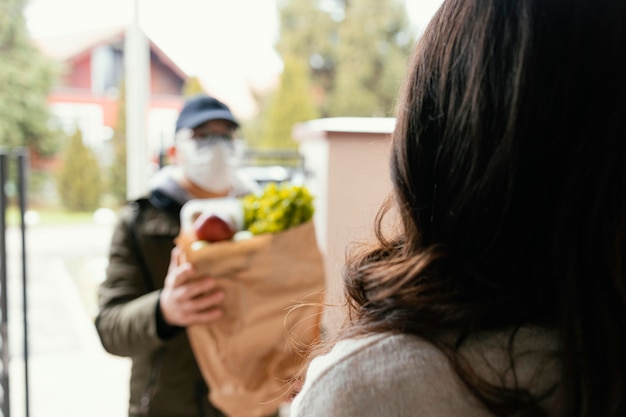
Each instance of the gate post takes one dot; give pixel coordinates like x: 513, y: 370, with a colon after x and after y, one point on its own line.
x: 4, y: 339
x: 20, y: 155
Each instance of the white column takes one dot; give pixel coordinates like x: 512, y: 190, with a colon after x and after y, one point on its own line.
x: 137, y: 69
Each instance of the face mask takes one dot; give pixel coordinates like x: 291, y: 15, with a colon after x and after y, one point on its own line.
x: 207, y: 162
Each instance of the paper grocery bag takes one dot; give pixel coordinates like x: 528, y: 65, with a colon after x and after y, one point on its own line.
x: 274, y: 289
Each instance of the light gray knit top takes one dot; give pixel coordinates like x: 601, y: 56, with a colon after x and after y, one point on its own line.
x: 405, y: 376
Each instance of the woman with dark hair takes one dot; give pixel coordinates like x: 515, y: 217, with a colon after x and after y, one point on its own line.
x: 501, y: 292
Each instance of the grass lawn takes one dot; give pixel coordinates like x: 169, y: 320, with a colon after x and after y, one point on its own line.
x: 51, y: 216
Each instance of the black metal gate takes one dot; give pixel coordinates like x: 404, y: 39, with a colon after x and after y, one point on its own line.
x: 16, y: 158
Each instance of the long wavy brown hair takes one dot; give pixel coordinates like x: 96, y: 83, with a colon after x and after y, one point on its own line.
x: 509, y: 172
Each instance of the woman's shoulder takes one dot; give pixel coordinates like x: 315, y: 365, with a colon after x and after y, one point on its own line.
x: 382, y: 357
x: 395, y: 348
x: 384, y: 374
x: 399, y: 374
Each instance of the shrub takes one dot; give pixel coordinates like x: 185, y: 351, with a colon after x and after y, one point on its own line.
x: 79, y: 180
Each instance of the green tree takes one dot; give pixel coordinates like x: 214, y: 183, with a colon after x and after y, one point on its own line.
x: 371, y: 58
x: 79, y: 180
x: 310, y: 33
x: 357, y: 52
x: 26, y: 77
x: 291, y: 103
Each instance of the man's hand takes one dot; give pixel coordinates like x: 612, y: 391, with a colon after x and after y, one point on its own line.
x: 185, y: 301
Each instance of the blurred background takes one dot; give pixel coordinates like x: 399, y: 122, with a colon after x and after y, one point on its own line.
x: 91, y: 89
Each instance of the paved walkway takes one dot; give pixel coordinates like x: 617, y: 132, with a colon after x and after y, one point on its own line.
x: 70, y: 375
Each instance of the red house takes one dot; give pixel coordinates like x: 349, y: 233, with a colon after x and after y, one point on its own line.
x: 86, y: 96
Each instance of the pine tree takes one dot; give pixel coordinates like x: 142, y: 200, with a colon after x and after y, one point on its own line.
x: 26, y: 77
x: 79, y: 180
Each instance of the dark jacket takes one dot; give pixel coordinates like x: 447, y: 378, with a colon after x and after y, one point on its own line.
x: 165, y: 379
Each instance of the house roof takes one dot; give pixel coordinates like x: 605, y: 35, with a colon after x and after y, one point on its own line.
x: 74, y: 46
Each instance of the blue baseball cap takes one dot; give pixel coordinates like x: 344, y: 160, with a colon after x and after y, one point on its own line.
x: 202, y: 108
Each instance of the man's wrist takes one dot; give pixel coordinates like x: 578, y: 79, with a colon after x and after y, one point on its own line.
x: 165, y: 331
